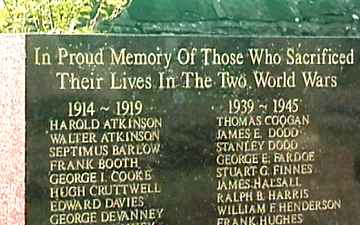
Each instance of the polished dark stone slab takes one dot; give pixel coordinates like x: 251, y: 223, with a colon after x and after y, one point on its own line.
x: 186, y: 166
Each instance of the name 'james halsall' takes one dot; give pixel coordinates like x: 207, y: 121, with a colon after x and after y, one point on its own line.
x: 116, y: 57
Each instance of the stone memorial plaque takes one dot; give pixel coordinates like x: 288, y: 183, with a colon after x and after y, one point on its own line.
x: 195, y: 130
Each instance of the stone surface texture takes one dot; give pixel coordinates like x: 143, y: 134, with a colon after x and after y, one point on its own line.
x: 239, y: 17
x: 220, y: 17
x: 12, y: 129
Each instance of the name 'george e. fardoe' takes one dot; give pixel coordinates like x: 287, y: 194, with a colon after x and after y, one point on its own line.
x: 115, y: 57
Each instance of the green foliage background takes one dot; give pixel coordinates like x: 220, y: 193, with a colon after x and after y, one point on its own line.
x: 235, y: 17
x: 56, y: 16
